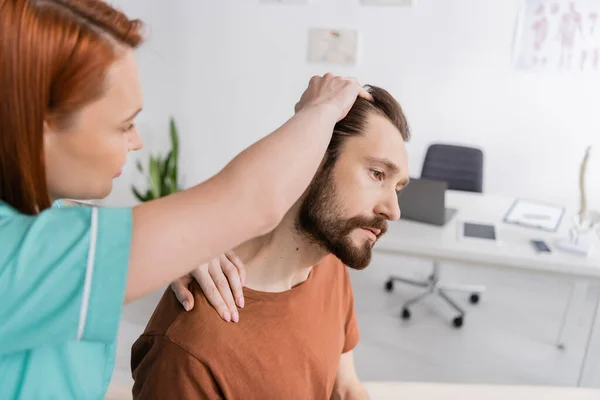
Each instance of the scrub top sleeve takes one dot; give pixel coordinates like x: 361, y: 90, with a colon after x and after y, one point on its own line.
x: 109, y: 276
x: 62, y: 275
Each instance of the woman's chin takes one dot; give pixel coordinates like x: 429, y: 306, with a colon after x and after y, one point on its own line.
x: 100, y: 193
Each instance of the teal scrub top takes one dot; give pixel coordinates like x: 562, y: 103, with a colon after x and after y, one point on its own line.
x: 62, y: 287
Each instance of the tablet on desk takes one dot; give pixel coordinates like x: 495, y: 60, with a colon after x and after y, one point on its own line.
x: 477, y: 231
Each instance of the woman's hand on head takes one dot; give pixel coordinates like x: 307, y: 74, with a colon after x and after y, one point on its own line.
x: 338, y: 92
x: 221, y: 280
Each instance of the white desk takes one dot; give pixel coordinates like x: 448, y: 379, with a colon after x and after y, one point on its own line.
x: 513, y: 251
x: 437, y: 391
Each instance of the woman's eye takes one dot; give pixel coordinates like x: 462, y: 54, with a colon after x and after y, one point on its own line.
x: 129, y: 128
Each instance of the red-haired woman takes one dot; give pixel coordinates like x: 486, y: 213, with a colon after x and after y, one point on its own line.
x: 69, y: 94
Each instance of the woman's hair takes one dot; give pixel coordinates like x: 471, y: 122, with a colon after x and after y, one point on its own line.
x: 54, y: 58
x: 355, y: 123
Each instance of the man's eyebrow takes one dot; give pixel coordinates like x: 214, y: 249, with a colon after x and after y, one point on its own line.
x: 133, y: 115
x: 386, y: 163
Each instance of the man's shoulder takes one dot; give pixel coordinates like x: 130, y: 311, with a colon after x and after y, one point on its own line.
x: 195, y: 331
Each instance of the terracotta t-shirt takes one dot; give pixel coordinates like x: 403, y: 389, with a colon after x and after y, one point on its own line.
x: 287, y: 345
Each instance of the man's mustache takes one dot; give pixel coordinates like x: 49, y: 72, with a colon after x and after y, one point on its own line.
x: 377, y: 222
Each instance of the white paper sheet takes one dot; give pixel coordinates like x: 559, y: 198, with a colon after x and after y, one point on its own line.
x: 535, y: 215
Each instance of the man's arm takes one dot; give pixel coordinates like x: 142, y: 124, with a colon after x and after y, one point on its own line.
x: 347, y: 385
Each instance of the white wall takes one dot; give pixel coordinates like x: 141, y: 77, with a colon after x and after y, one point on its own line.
x: 158, y: 60
x: 232, y: 70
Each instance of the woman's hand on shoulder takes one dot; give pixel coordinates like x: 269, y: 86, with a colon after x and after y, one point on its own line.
x: 221, y: 280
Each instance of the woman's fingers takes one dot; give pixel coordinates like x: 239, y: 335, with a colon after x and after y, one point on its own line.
x: 221, y: 280
x: 222, y: 284
x: 235, y: 281
x: 339, y: 92
x: 183, y: 294
x: 211, y: 292
x: 362, y: 92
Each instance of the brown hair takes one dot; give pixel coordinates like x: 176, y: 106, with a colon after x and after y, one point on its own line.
x: 54, y: 57
x: 354, y: 123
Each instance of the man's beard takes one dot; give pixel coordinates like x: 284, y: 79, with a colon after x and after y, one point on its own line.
x: 320, y: 221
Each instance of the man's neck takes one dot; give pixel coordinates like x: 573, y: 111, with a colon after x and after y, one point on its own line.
x: 281, y: 259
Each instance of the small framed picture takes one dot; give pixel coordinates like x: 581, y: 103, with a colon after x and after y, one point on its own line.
x: 333, y: 46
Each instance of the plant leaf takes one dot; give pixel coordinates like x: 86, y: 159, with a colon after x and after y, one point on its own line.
x: 174, y: 178
x: 174, y: 173
x: 164, y: 177
x: 172, y: 186
x: 174, y: 141
x: 155, y: 182
x: 138, y: 195
x: 162, y: 167
x: 138, y: 164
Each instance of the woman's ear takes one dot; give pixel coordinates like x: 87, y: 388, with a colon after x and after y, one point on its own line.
x: 48, y: 135
x: 47, y: 129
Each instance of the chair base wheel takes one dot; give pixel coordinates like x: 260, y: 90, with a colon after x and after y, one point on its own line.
x: 389, y: 286
x: 405, y: 313
x: 458, y: 322
x: 474, y: 299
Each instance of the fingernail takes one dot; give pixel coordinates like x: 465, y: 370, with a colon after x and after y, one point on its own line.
x: 227, y: 316
x: 186, y: 305
x: 241, y: 301
x: 236, y: 317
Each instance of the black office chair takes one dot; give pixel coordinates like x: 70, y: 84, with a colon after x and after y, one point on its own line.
x: 462, y: 169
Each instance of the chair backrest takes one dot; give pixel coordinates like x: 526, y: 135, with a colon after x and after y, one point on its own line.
x: 461, y: 167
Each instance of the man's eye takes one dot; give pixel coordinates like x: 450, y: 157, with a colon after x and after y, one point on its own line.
x: 377, y: 174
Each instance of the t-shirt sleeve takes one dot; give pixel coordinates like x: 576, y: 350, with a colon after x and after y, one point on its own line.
x: 62, y: 275
x: 351, y: 326
x: 163, y: 370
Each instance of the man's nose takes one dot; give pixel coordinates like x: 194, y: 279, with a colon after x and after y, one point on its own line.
x: 389, y: 207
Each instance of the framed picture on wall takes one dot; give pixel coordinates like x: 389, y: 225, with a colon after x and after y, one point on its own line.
x: 333, y: 46
x: 558, y: 36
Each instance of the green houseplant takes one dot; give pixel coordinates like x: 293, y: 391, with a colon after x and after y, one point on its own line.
x: 162, y: 175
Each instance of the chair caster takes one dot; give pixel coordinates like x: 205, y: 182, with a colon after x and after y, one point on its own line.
x: 405, y: 313
x: 389, y: 286
x: 474, y: 299
x: 458, y: 321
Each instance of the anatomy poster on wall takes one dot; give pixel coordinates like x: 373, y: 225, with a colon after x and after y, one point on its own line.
x: 558, y: 35
x: 333, y: 46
